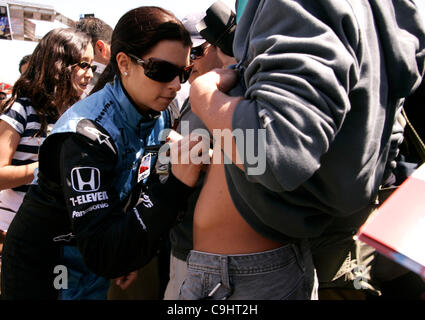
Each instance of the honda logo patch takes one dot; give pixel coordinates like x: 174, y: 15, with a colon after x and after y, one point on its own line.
x: 85, y: 179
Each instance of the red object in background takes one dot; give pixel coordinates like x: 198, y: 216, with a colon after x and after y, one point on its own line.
x: 5, y: 87
x: 397, y: 229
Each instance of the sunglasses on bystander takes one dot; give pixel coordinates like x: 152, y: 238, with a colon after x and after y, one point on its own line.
x: 85, y: 65
x: 198, y: 52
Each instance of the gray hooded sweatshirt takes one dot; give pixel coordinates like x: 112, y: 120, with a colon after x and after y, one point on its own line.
x: 325, y: 79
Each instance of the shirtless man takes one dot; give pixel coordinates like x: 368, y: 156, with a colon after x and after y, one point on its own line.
x: 218, y: 227
x: 241, y: 263
x: 220, y: 233
x: 308, y: 80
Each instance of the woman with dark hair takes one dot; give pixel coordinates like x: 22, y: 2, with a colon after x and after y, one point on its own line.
x: 98, y: 183
x: 57, y: 75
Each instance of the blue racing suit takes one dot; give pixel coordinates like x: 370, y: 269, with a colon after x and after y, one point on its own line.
x: 83, y: 284
x: 97, y: 187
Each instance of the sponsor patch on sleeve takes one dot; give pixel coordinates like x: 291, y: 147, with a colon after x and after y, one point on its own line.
x: 88, y: 129
x: 144, y: 168
x: 86, y: 181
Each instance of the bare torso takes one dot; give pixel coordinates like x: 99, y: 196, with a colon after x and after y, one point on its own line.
x: 217, y: 225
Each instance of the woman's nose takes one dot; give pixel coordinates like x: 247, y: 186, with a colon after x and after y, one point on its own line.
x: 175, y: 84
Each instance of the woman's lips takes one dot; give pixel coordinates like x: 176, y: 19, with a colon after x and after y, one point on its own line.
x: 168, y: 98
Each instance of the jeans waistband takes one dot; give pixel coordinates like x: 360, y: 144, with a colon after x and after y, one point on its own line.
x: 244, y: 263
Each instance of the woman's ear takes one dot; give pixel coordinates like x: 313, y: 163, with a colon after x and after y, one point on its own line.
x: 124, y: 63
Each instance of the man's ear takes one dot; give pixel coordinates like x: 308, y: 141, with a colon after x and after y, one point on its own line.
x: 100, y: 45
x: 102, y: 49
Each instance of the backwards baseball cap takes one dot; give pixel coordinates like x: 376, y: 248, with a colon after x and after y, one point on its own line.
x: 218, y: 26
x: 190, y: 21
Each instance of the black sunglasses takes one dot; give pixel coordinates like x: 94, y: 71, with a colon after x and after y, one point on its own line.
x: 161, y: 70
x: 85, y: 65
x: 198, y: 52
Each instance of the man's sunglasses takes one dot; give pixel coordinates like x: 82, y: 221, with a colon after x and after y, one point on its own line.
x: 85, y: 65
x: 198, y: 52
x: 161, y: 70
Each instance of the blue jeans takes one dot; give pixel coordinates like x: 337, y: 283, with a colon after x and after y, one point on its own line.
x: 283, y: 273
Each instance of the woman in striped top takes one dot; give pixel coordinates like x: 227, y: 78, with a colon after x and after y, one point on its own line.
x: 58, y: 73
